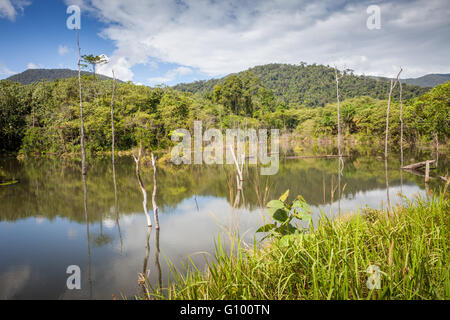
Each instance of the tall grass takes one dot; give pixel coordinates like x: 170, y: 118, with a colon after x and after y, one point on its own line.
x: 411, y: 249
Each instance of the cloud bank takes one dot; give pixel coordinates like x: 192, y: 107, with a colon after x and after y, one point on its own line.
x: 9, y: 8
x: 220, y: 37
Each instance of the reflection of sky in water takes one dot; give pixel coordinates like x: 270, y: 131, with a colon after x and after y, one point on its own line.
x: 43, y: 249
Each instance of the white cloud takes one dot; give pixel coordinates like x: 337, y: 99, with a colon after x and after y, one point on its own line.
x: 62, y: 50
x: 31, y: 65
x: 121, y: 66
x: 221, y: 37
x: 170, y: 75
x: 9, y: 8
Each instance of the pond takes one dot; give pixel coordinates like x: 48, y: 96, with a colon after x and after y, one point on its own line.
x: 44, y: 227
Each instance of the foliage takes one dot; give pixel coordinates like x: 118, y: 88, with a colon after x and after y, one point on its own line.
x: 283, y: 213
x: 430, y: 113
x: 14, y: 106
x: 43, y: 117
x: 333, y: 260
x: 309, y: 85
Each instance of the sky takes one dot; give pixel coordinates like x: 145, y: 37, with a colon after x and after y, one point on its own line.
x: 172, y: 41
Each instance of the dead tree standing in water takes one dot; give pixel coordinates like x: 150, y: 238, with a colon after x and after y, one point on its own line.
x: 393, y: 84
x: 155, y: 207
x: 83, y: 153
x: 340, y: 161
x: 141, y: 185
x: 116, y: 203
x: 338, y: 111
x: 239, y: 176
x: 401, y: 122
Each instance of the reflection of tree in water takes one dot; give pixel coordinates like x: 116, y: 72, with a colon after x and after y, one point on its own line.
x: 100, y: 240
x: 86, y: 217
x: 144, y: 277
x: 305, y: 177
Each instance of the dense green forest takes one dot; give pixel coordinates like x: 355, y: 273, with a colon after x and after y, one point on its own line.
x: 43, y: 117
x: 307, y: 85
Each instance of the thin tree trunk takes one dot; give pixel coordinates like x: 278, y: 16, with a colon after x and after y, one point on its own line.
x: 338, y: 111
x: 141, y: 185
x: 83, y: 153
x: 427, y: 171
x: 239, y: 177
x: 112, y: 117
x: 401, y: 123
x: 393, y: 84
x: 387, y: 187
x: 116, y: 203
x: 340, y: 160
x: 155, y: 207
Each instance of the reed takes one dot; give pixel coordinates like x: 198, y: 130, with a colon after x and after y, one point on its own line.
x: 331, y: 261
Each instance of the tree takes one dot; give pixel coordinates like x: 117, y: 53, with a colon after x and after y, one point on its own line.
x: 94, y: 61
x: 83, y: 152
x: 393, y: 83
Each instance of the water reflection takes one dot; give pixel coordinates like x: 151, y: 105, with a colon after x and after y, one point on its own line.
x: 47, y: 221
x: 86, y: 216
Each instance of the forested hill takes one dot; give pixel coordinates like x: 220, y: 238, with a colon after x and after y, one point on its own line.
x: 309, y: 85
x: 429, y: 80
x: 34, y: 75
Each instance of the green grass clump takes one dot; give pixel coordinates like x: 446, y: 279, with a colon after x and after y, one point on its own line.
x: 411, y: 249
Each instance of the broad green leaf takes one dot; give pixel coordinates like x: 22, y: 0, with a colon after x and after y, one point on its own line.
x: 280, y: 215
x: 284, y: 196
x: 303, y: 216
x: 275, y: 204
x: 286, y: 229
x: 266, y: 228
x: 297, y: 204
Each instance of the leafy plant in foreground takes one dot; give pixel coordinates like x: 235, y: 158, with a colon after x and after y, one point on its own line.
x: 283, y: 213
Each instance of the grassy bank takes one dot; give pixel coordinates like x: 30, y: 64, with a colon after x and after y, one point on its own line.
x: 411, y: 249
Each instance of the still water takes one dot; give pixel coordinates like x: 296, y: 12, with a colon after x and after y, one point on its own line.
x: 44, y: 227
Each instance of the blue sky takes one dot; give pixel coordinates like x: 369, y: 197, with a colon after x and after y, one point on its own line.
x: 171, y: 41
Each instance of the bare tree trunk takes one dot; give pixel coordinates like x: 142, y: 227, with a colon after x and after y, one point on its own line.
x: 338, y: 111
x: 116, y: 202
x: 239, y: 177
x: 401, y: 123
x: 83, y: 153
x: 393, y: 84
x: 112, y: 117
x: 437, y: 148
x: 387, y: 187
x: 155, y: 207
x: 340, y: 161
x: 141, y: 185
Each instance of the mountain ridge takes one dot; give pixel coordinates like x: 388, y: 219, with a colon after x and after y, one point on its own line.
x: 35, y: 75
